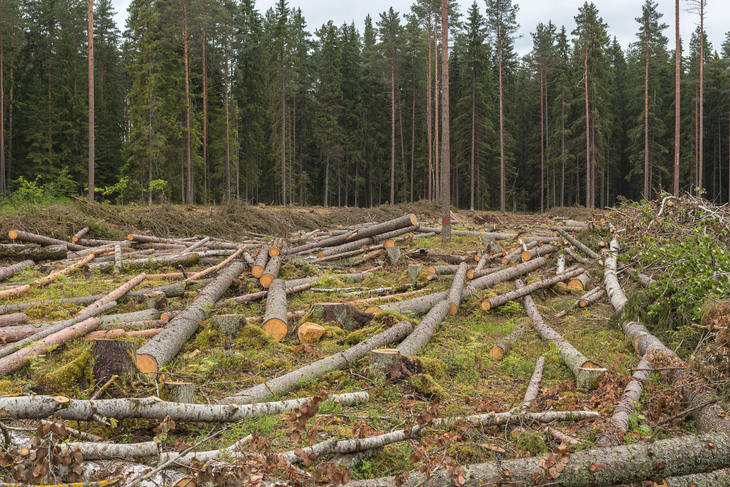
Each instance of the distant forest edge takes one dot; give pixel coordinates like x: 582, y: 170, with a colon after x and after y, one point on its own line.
x: 201, y: 100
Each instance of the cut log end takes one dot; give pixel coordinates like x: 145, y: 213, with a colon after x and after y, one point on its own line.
x: 486, y: 306
x: 496, y: 353
x: 185, y: 482
x: 266, y: 279
x: 74, y: 239
x: 13, y: 234
x: 525, y: 256
x: 453, y: 308
x: 276, y: 328
x: 273, y: 252
x: 590, y: 375
x: 257, y: 271
x: 575, y: 284
x: 61, y: 399
x: 389, y: 243
x: 414, y: 219
x: 470, y: 275
x: 130, y: 237
x: 431, y: 269
x: 374, y: 310
x: 583, y: 303
x: 319, y: 256
x: 381, y: 360
x: 504, y: 260
x: 147, y: 364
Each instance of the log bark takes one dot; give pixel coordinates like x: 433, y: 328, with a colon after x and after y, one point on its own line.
x: 210, y: 270
x: 597, y: 467
x: 271, y: 272
x: 142, y: 315
x: 381, y: 360
x: 17, y: 360
x: 457, y: 287
x: 40, y: 239
x: 260, y: 262
x: 110, y: 358
x: 492, y: 235
x: 476, y: 274
x: 160, y: 350
x: 148, y: 239
x: 580, y: 281
x: 180, y: 392
x: 591, y: 297
x: 506, y: 344
x: 19, y: 251
x: 533, y: 388
x: 389, y: 236
x: 348, y: 317
x: 293, y: 380
x: 577, y: 243
x: 200, y: 243
x: 423, y: 304
x: 76, y: 236
x: 275, y: 318
x: 233, y: 451
x: 11, y: 270
x: 587, y: 373
x: 610, y: 278
x: 408, y: 220
x: 516, y: 255
x: 345, y: 248
x: 327, y: 242
x: 525, y: 290
x: 147, y: 332
x: 13, y: 319
x: 40, y: 407
x: 257, y: 296
x: 185, y: 260
x: 107, y: 451
x: 115, y: 295
x: 573, y: 255
x: 421, y: 334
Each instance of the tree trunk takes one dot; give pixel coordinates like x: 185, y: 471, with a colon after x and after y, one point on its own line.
x: 588, y: 126
x: 276, y: 323
x: 91, y: 100
x: 271, y: 272
x: 499, y: 300
x: 542, y: 141
x: 188, y: 131
x: 677, y: 94
x: 502, y: 181
x: 160, y: 350
x: 701, y: 102
x: 436, y: 174
x: 413, y: 138
x: 392, y: 128
x: 206, y: 162
x: 503, y: 347
x: 647, y: 180
x: 247, y: 298
x: 445, y: 132
x: 110, y: 358
x: 3, y: 184
x: 429, y: 123
x: 283, y: 135
x: 421, y: 334
x: 41, y: 239
x: 11, y: 270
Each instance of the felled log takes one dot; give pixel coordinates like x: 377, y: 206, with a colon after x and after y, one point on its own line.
x: 503, y: 347
x: 76, y: 236
x: 257, y: 296
x: 132, y: 237
x: 580, y: 281
x: 11, y: 270
x: 95, y: 242
x: 644, y: 280
x: 105, y: 451
x: 423, y: 304
x: 408, y: 220
x: 260, y: 262
x: 113, y: 333
x: 718, y: 478
x: 588, y: 374
x: 117, y: 259
x: 110, y: 358
x: 573, y: 255
x: 142, y: 315
x: 40, y: 239
x: 476, y: 274
x: 275, y: 319
x: 160, y: 350
x: 533, y: 387
x: 13, y: 319
x: 421, y: 334
x: 345, y: 248
x: 19, y: 359
x: 210, y: 270
x: 589, y: 298
x: 19, y: 251
x: 538, y: 251
x: 457, y: 287
x: 443, y: 270
x: 116, y: 294
x: 577, y: 243
x: 597, y: 467
x: 271, y: 271
x: 387, y: 298
x: 344, y: 255
x: 525, y: 290
x: 516, y: 254
x: 174, y: 260
x: 293, y: 380
x: 196, y: 245
x: 45, y: 280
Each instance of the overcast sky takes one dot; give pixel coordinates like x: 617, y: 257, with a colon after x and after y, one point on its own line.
x: 618, y: 14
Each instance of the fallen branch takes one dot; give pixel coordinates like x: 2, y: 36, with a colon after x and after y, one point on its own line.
x: 577, y: 243
x: 533, y: 388
x: 217, y: 267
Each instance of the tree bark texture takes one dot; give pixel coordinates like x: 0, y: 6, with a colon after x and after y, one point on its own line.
x: 503, y: 347
x: 533, y: 387
x: 577, y: 243
x: 529, y: 289
x: 40, y: 239
x: 276, y: 323
x: 239, y: 253
x: 457, y: 287
x: 422, y: 333
x: 13, y: 319
x: 11, y: 270
x: 20, y: 251
x: 259, y: 263
x: 271, y: 272
x: 184, y: 260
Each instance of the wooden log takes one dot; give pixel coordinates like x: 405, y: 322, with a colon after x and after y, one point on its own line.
x: 538, y: 251
x: 561, y: 264
x: 503, y: 347
x: 533, y: 388
x: 580, y: 281
x: 588, y: 374
x: 476, y: 274
x: 160, y: 350
x: 309, y: 332
x: 327, y: 242
x: 610, y: 278
x: 457, y: 287
x: 17, y: 360
x: 40, y: 407
x: 592, y: 296
x: 113, y: 333
x: 132, y: 237
x: 210, y: 270
x: 116, y: 294
x: 257, y: 296
x: 185, y: 260
x: 40, y: 239
x: 516, y: 254
x: 200, y: 243
x: 386, y: 237
x: 525, y: 290
x: 573, y: 255
x: 577, y: 243
x: 13, y: 319
x: 408, y: 220
x: 260, y: 263
x: 106, y: 451
x: 345, y: 248
x: 271, y: 271
x: 182, y: 392
x: 293, y: 380
x: 644, y: 280
x: 597, y: 467
x: 110, y: 358
x: 718, y: 478
x: 381, y: 360
x: 344, y: 255
x: 76, y: 236
x: 95, y: 242
x: 142, y: 315
x: 11, y: 270
x: 27, y: 252
x: 275, y: 318
x: 422, y: 333
x: 118, y: 259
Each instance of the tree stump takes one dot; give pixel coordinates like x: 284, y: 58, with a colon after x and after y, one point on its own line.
x: 178, y: 392
x: 229, y: 325
x: 414, y: 270
x: 394, y: 254
x: 310, y: 332
x: 112, y: 357
x: 349, y: 317
x: 380, y: 360
x: 156, y: 300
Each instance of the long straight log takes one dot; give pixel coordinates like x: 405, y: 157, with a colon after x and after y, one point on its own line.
x: 529, y: 289
x: 293, y: 380
x: 275, y: 318
x: 515, y: 256
x: 196, y: 245
x: 210, y: 270
x: 160, y: 350
x: 327, y: 242
x: 597, y: 467
x: 493, y: 235
x: 271, y: 272
x: 588, y: 374
x: 13, y: 319
x: 40, y: 239
x: 76, y: 236
x: 408, y: 220
x: 346, y: 248
x: 533, y: 387
x: 577, y: 243
x: 142, y: 315
x: 11, y: 270
x: 116, y: 294
x: 257, y: 296
x: 457, y: 287
x: 148, y: 239
x: 19, y: 251
x: 384, y: 238
x: 484, y: 271
x: 421, y: 334
x: 174, y: 260
x: 108, y: 451
x: 503, y: 347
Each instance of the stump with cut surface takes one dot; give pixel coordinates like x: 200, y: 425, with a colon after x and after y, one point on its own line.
x: 381, y: 360
x: 349, y: 317
x: 276, y: 323
x: 112, y: 357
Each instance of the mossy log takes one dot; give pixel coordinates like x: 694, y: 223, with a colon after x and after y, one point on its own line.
x: 142, y: 315
x: 271, y: 272
x: 276, y: 323
x: 499, y: 300
x: 577, y: 243
x: 22, y: 236
x: 587, y: 373
x: 259, y: 264
x: 597, y: 467
x: 160, y: 350
x: 11, y: 270
x: 185, y: 260
x: 110, y: 334
x: 294, y: 379
x: 25, y: 252
x: 422, y: 333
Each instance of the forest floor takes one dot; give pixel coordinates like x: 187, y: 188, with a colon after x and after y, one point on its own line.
x: 457, y: 375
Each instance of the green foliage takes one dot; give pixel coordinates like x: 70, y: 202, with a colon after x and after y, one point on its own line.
x: 532, y: 442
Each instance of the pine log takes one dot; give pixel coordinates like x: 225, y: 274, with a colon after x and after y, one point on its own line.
x: 309, y: 332
x: 587, y: 299
x: 271, y: 272
x: 538, y: 251
x: 19, y: 251
x: 327, y: 242
x: 533, y: 388
x: 293, y: 380
x: 580, y: 281
x: 344, y: 255
x: 257, y: 296
x: 588, y: 374
x: 40, y: 239
x: 110, y: 358
x: 476, y: 274
x: 577, y: 243
x: 236, y: 450
x: 43, y: 330
x: 597, y: 467
x: 516, y: 255
x: 142, y: 315
x: 718, y: 478
x: 421, y: 334
x: 76, y: 236
x: 423, y: 304
x: 345, y: 248
x: 408, y: 220
x: 19, y: 359
x: 260, y: 263
x: 457, y: 287
x: 113, y: 333
x: 95, y: 242
x: 525, y: 290
x: 275, y: 318
x: 506, y: 344
x: 148, y: 239
x: 13, y: 319
x: 573, y: 256
x: 173, y: 260
x: 116, y: 294
x: 11, y: 270
x: 387, y: 237
x: 210, y: 270
x: 160, y: 350
x: 610, y: 278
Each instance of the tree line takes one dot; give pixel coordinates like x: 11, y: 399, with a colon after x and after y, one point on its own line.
x: 199, y: 101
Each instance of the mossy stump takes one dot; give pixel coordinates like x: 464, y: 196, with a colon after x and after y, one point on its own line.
x: 112, y: 357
